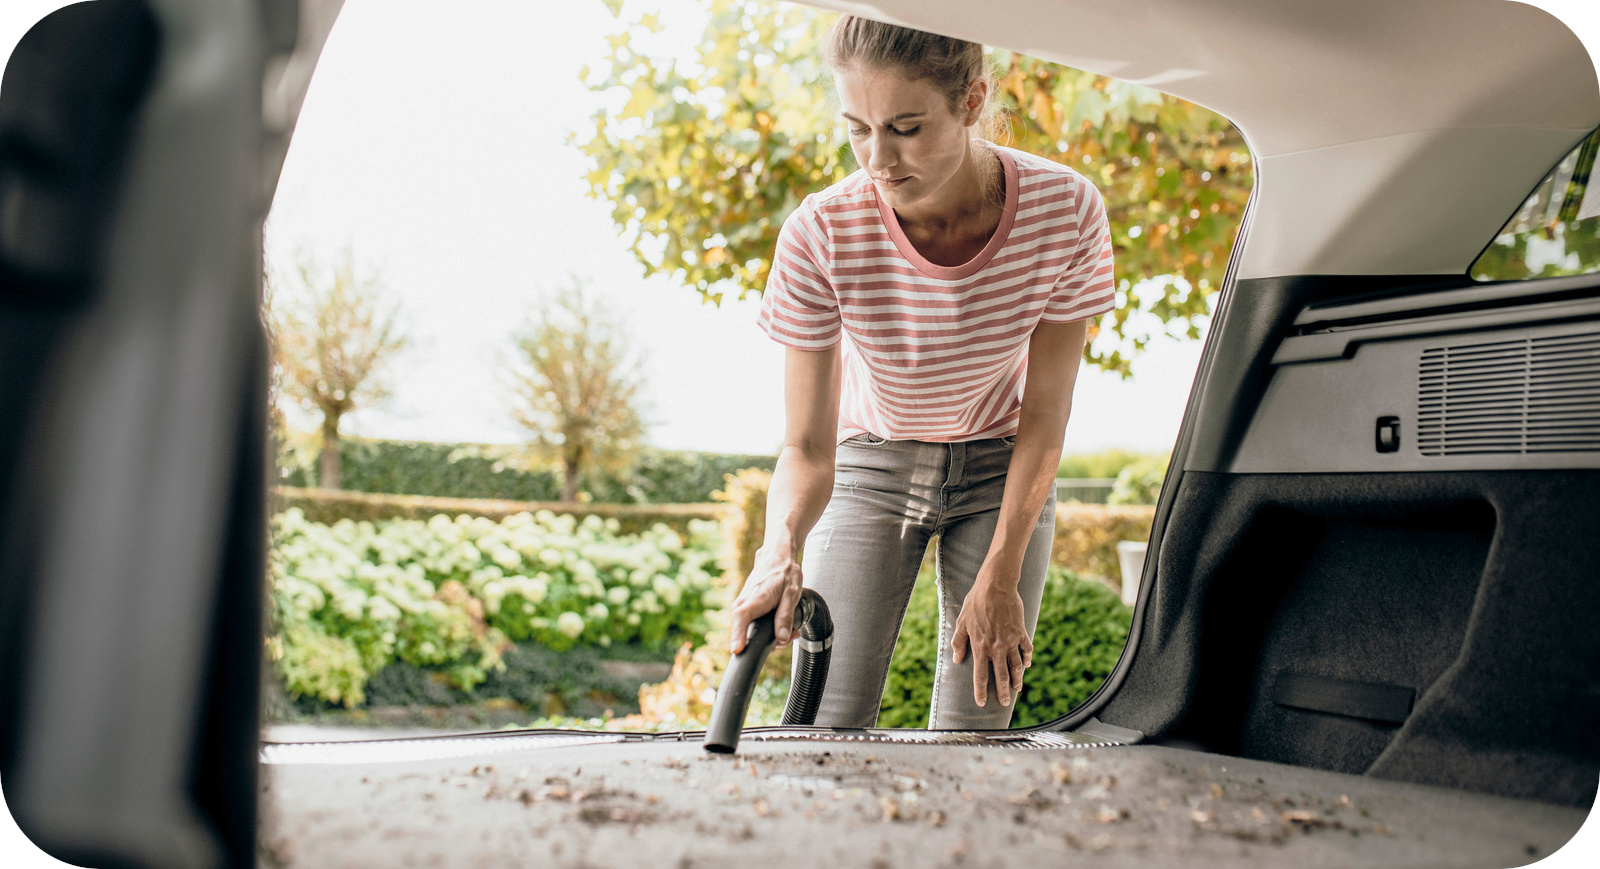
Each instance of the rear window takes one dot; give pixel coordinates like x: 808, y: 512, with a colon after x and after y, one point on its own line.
x: 1556, y: 232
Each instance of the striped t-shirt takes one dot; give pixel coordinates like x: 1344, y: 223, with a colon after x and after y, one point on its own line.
x: 937, y: 353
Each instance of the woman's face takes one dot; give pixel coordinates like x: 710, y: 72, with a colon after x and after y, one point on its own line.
x: 906, y: 137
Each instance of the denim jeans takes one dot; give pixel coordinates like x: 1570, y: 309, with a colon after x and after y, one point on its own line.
x: 890, y: 498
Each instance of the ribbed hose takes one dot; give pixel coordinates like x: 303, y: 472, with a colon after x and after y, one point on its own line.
x: 814, y: 630
x: 805, y: 689
x: 813, y: 649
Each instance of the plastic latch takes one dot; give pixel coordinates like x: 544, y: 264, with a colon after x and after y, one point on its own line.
x: 1387, y: 436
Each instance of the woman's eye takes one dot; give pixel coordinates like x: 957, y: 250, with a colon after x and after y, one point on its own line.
x: 862, y: 131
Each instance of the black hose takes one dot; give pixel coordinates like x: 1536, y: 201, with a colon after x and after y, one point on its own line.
x: 813, y: 649
x: 814, y: 641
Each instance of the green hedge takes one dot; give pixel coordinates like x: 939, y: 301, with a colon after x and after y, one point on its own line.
x: 1140, y: 482
x: 1106, y: 463
x: 420, y: 468
x: 491, y: 471
x: 1082, y: 629
x: 670, y: 477
x: 329, y: 506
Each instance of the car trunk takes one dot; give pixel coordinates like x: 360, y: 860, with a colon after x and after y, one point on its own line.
x: 865, y: 803
x: 1422, y: 613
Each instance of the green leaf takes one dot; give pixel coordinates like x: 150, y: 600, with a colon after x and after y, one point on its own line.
x: 641, y: 99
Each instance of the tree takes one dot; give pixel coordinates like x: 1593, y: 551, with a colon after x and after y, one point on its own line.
x: 334, y: 337
x: 707, y: 157
x: 576, y: 388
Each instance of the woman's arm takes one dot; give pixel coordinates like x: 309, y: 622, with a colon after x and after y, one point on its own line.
x: 801, y: 485
x: 991, y: 623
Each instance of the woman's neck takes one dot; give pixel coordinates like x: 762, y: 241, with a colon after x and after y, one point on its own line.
x: 952, y: 231
x: 974, y: 197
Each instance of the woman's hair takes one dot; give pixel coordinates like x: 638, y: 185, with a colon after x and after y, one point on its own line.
x: 951, y: 65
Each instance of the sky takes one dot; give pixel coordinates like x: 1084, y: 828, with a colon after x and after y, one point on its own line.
x: 437, y: 147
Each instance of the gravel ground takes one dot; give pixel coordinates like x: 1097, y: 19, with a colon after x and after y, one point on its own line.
x: 880, y: 805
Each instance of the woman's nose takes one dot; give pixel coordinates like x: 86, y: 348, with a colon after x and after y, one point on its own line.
x: 881, y: 154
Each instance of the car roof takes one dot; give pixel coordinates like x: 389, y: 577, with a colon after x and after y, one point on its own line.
x: 1390, y: 136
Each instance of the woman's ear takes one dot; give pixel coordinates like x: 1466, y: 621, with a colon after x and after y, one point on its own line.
x: 977, y: 98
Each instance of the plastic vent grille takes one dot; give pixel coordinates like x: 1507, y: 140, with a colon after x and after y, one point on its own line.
x: 1530, y: 395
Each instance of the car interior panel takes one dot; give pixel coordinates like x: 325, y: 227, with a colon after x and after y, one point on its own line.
x: 67, y: 102
x: 128, y: 283
x: 1440, y: 565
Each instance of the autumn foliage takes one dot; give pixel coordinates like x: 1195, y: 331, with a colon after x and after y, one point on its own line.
x: 708, y: 154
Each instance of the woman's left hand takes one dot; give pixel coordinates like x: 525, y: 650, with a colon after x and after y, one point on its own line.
x: 991, y: 626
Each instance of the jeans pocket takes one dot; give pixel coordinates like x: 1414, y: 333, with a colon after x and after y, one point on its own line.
x: 866, y: 439
x: 1008, y: 442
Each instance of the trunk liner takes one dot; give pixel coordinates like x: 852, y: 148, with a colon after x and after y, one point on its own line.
x: 880, y: 803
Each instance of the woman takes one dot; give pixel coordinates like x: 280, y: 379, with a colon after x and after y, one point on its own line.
x: 934, y: 306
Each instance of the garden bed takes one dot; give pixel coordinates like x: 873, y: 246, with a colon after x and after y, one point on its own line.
x: 425, y: 613
x: 541, y: 619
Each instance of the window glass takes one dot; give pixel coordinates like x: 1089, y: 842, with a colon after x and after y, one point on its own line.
x: 1556, y: 232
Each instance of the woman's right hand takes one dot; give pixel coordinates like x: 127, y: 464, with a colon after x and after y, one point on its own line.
x: 802, y: 482
x: 772, y: 587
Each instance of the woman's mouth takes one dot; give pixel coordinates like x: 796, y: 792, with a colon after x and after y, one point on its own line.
x: 891, y: 183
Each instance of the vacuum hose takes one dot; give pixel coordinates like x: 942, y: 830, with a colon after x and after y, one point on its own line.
x: 813, y: 630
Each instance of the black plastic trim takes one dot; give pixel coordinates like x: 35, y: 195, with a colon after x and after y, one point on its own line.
x: 1456, y: 297
x: 1342, y: 342
x: 1389, y: 704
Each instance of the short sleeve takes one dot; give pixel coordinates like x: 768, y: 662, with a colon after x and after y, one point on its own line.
x: 799, y: 308
x: 1086, y: 287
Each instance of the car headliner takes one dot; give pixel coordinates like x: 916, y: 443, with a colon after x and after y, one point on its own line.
x: 1390, y: 136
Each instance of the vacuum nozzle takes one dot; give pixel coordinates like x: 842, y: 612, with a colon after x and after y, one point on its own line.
x: 813, y: 629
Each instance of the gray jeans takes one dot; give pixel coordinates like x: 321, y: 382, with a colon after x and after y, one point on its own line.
x: 890, y: 498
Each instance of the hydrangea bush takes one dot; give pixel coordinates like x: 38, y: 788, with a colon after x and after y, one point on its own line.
x: 453, y: 593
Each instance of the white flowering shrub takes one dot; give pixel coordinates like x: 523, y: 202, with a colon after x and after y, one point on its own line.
x: 561, y: 582
x: 350, y: 598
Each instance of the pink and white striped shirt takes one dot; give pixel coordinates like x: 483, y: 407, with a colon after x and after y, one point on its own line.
x: 937, y: 353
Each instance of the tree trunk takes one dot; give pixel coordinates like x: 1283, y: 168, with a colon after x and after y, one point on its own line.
x: 329, y: 463
x: 569, y: 482
x: 571, y: 466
